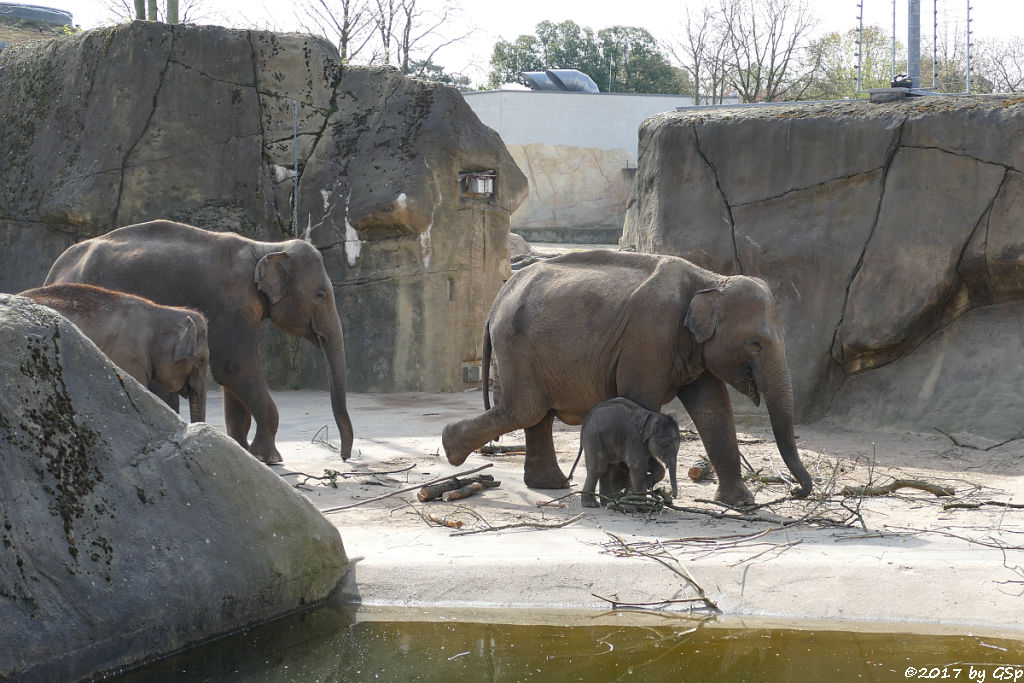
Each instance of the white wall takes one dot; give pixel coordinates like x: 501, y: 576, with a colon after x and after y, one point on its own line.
x: 599, y: 120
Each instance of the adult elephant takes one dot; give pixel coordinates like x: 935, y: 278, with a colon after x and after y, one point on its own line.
x: 572, y: 331
x: 237, y: 283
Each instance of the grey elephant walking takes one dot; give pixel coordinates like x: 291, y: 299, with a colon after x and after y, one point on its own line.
x: 161, y: 345
x: 237, y: 283
x: 619, y: 431
x: 572, y: 331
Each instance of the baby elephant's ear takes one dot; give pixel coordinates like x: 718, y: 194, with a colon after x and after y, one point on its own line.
x: 702, y: 315
x: 188, y: 340
x: 646, y: 423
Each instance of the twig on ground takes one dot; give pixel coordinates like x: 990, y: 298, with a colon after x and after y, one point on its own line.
x: 977, y: 506
x: 405, y: 490
x: 936, y: 489
x: 681, y: 571
x: 523, y: 525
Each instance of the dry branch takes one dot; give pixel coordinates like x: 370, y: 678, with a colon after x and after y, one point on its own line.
x: 977, y: 506
x: 937, y: 489
x: 523, y: 525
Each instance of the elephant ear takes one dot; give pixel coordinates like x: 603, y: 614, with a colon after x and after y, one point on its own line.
x: 702, y: 316
x: 187, y: 344
x: 645, y: 422
x: 271, y: 275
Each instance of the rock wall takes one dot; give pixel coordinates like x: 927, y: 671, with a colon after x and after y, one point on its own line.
x: 126, y: 533
x: 572, y: 187
x: 202, y: 125
x: 891, y: 235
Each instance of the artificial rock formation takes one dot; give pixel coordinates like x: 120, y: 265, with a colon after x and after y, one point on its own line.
x: 890, y: 235
x: 205, y: 125
x: 572, y: 187
x: 127, y: 533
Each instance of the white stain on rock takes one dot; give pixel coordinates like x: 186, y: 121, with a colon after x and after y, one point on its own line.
x: 353, y: 245
x: 426, y: 246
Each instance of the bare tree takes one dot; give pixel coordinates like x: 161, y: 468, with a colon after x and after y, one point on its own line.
x: 421, y: 32
x: 143, y: 10
x: 1001, y: 61
x: 700, y: 53
x: 767, y: 41
x: 347, y: 23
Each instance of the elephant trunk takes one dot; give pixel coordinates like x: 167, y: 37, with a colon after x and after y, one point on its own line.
x: 773, y: 380
x: 332, y: 343
x: 672, y: 475
x: 195, y: 392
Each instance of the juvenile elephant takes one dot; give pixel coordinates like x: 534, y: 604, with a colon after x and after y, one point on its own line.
x: 575, y: 330
x: 162, y: 345
x: 620, y: 431
x: 237, y: 283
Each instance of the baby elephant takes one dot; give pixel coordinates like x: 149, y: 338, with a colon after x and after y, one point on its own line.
x: 620, y: 431
x: 155, y: 344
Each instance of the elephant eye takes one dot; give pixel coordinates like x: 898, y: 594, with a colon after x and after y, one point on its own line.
x: 320, y: 295
x: 754, y: 345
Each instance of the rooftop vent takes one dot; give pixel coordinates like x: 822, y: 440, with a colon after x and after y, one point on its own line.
x: 561, y: 80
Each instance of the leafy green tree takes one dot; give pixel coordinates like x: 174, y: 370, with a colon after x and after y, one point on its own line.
x: 429, y: 71
x: 836, y: 55
x: 619, y: 58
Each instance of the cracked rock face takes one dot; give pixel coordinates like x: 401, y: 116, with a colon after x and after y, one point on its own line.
x: 127, y: 533
x: 206, y: 126
x: 890, y: 235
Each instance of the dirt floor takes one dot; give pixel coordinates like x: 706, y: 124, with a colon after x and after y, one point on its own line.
x: 910, y: 556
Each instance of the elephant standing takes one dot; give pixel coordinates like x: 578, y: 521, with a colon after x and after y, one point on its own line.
x: 161, y: 345
x: 237, y: 283
x: 620, y: 431
x: 572, y: 331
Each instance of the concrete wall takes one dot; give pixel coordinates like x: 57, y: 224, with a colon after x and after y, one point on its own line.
x: 578, y: 151
x: 570, y: 119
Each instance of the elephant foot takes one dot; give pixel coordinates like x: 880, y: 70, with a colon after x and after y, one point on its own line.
x: 590, y: 501
x: 456, y: 454
x: 736, y: 494
x: 548, y: 479
x: 268, y: 456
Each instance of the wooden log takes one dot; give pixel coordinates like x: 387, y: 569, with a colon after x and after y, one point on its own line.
x: 699, y: 470
x: 492, y: 449
x: 434, y: 491
x: 464, y: 492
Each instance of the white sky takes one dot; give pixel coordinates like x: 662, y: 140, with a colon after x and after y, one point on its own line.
x: 491, y: 20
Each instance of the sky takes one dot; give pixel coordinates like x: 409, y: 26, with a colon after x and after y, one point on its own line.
x: 489, y: 21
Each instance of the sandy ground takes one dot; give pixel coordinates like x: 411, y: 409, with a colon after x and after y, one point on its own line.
x: 903, y: 558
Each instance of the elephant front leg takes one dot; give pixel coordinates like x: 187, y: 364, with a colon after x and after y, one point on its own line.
x: 707, y: 402
x: 251, y: 397
x: 541, y: 470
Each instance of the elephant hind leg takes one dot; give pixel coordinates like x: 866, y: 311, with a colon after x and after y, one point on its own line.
x: 465, y: 436
x: 542, y: 471
x: 237, y: 418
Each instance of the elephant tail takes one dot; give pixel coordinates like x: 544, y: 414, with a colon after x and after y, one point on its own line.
x: 485, y: 370
x: 578, y: 454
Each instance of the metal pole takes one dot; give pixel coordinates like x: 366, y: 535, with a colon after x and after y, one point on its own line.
x: 860, y: 42
x: 892, y: 63
x: 295, y: 171
x: 935, y: 45
x: 914, y: 42
x: 969, y: 32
